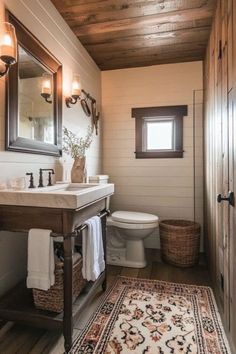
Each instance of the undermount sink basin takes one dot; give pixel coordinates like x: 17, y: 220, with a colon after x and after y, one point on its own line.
x: 64, y: 187
x: 72, y: 188
x: 61, y: 195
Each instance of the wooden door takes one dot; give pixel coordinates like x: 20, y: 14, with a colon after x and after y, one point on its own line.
x: 222, y: 163
x: 220, y: 160
x: 232, y: 167
x: 232, y: 220
x: 220, y: 142
x: 225, y: 156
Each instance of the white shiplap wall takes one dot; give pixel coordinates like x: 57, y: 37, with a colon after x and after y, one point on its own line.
x: 43, y: 20
x: 160, y: 186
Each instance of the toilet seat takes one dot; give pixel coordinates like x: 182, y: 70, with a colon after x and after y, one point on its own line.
x: 132, y: 220
x: 125, y: 225
x: 132, y: 217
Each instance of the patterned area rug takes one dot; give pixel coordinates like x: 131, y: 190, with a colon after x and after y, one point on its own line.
x: 141, y: 316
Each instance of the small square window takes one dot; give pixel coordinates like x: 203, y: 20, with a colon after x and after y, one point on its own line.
x: 159, y: 131
x: 158, y: 135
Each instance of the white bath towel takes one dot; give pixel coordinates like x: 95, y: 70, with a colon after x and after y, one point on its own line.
x: 41, y: 264
x: 92, y: 249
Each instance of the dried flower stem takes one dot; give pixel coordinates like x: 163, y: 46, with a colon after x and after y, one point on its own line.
x: 74, y: 145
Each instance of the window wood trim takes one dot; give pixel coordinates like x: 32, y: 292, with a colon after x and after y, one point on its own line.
x: 177, y: 112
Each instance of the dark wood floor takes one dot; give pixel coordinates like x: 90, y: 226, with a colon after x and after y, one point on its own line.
x: 27, y: 340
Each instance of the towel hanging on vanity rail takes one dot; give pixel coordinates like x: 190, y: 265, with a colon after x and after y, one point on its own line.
x: 92, y: 249
x: 41, y: 264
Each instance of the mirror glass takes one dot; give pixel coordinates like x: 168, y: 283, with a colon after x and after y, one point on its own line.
x: 34, y: 97
x: 35, y: 115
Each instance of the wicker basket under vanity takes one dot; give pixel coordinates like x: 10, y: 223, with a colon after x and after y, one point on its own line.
x: 52, y: 299
x: 180, y: 242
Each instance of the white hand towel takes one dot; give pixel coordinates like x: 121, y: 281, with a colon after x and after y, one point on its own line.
x: 92, y: 249
x: 41, y: 264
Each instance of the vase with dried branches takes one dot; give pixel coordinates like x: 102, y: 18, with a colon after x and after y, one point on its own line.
x: 76, y: 147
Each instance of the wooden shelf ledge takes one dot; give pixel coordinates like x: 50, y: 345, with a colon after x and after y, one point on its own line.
x: 18, y: 306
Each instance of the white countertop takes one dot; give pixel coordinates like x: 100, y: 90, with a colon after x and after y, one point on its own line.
x: 61, y: 195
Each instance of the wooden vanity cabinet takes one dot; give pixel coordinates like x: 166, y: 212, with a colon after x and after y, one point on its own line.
x: 17, y: 305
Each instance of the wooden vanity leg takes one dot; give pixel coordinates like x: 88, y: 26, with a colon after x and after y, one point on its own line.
x: 104, y: 234
x: 68, y: 319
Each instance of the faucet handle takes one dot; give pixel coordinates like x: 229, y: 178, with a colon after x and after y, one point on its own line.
x: 50, y: 173
x: 40, y: 178
x: 31, y: 185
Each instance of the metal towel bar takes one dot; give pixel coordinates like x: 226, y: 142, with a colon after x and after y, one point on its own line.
x: 80, y: 228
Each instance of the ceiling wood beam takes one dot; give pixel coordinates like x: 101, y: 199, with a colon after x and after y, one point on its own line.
x: 146, y: 30
x: 134, y: 23
x: 186, y: 57
x: 154, y: 52
x: 182, y: 36
x: 61, y: 4
x: 112, y: 10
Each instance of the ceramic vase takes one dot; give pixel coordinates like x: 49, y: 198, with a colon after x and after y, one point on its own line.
x: 78, y: 171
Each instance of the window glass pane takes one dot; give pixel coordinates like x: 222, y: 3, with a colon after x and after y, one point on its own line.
x: 159, y: 135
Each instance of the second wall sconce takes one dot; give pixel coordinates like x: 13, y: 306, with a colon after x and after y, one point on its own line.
x: 8, y: 46
x: 79, y: 94
x: 46, y: 92
x: 75, y: 92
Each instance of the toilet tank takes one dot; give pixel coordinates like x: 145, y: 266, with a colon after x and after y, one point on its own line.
x: 101, y: 179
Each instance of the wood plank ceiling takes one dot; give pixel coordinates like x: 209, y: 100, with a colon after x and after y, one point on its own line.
x: 131, y: 33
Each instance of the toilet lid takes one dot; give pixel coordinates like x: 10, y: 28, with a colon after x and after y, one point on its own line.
x: 134, y: 217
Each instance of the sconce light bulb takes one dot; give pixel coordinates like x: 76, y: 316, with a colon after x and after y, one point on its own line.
x: 7, y: 40
x: 47, y: 84
x: 76, y: 88
x: 75, y: 85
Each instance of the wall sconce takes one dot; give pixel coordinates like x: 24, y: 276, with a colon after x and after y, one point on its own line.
x: 8, y: 46
x: 46, y: 92
x: 84, y: 97
x: 75, y: 92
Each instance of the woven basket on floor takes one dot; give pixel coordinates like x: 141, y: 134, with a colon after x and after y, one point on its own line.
x: 180, y: 242
x: 52, y: 299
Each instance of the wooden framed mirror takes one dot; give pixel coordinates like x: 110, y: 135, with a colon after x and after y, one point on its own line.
x: 33, y: 123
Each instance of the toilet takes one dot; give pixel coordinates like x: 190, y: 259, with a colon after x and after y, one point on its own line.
x: 126, y: 231
x: 125, y: 240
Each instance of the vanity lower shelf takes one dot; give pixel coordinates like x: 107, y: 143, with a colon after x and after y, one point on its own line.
x: 17, y: 306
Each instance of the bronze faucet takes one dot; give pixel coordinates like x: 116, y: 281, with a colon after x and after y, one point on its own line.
x: 50, y: 173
